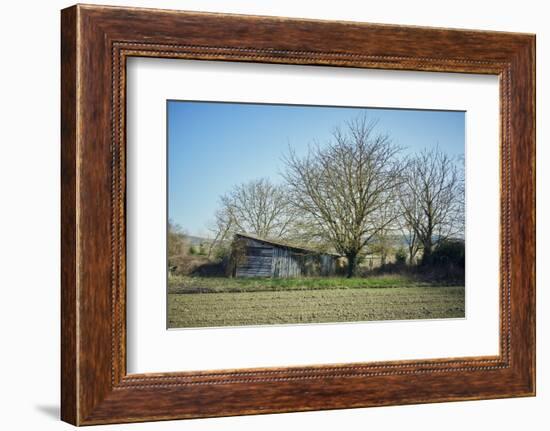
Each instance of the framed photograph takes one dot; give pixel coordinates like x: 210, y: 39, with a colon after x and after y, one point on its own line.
x: 264, y: 214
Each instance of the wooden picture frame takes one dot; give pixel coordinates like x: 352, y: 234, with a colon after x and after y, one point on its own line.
x: 95, y: 43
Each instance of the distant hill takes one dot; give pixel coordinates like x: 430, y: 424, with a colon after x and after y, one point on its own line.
x: 197, y: 240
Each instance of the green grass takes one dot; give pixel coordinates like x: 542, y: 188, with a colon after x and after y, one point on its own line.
x: 242, y: 302
x: 183, y: 284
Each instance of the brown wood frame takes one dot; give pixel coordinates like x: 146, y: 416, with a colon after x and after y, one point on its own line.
x: 95, y: 43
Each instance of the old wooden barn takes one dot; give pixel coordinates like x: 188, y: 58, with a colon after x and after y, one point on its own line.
x: 252, y: 256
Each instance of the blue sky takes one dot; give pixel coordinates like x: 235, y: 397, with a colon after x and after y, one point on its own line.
x: 213, y: 146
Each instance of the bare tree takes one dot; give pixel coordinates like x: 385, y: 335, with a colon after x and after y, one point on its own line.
x: 345, y: 190
x: 410, y: 214
x: 258, y: 207
x: 432, y: 199
x: 411, y: 239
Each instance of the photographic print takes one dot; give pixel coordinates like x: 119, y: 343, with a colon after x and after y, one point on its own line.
x: 294, y: 214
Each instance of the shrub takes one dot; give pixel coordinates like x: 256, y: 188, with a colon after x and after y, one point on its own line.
x: 400, y: 256
x: 449, y: 253
x: 222, y: 252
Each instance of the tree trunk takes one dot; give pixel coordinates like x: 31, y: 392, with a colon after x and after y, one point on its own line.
x: 352, y: 264
x: 427, y: 254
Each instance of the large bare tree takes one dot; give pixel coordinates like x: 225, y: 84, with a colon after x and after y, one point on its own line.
x: 258, y: 207
x: 345, y: 190
x: 432, y: 199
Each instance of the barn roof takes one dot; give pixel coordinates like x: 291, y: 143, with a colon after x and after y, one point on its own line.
x: 283, y: 244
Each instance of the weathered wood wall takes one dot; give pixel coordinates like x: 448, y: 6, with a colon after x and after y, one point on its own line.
x: 285, y: 264
x: 328, y: 264
x: 262, y: 259
x: 257, y: 262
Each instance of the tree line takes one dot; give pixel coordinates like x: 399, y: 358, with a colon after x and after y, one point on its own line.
x: 350, y: 194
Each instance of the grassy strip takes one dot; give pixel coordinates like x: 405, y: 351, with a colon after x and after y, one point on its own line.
x: 183, y: 284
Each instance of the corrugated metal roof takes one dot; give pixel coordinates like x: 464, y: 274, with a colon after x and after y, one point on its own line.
x: 283, y: 244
